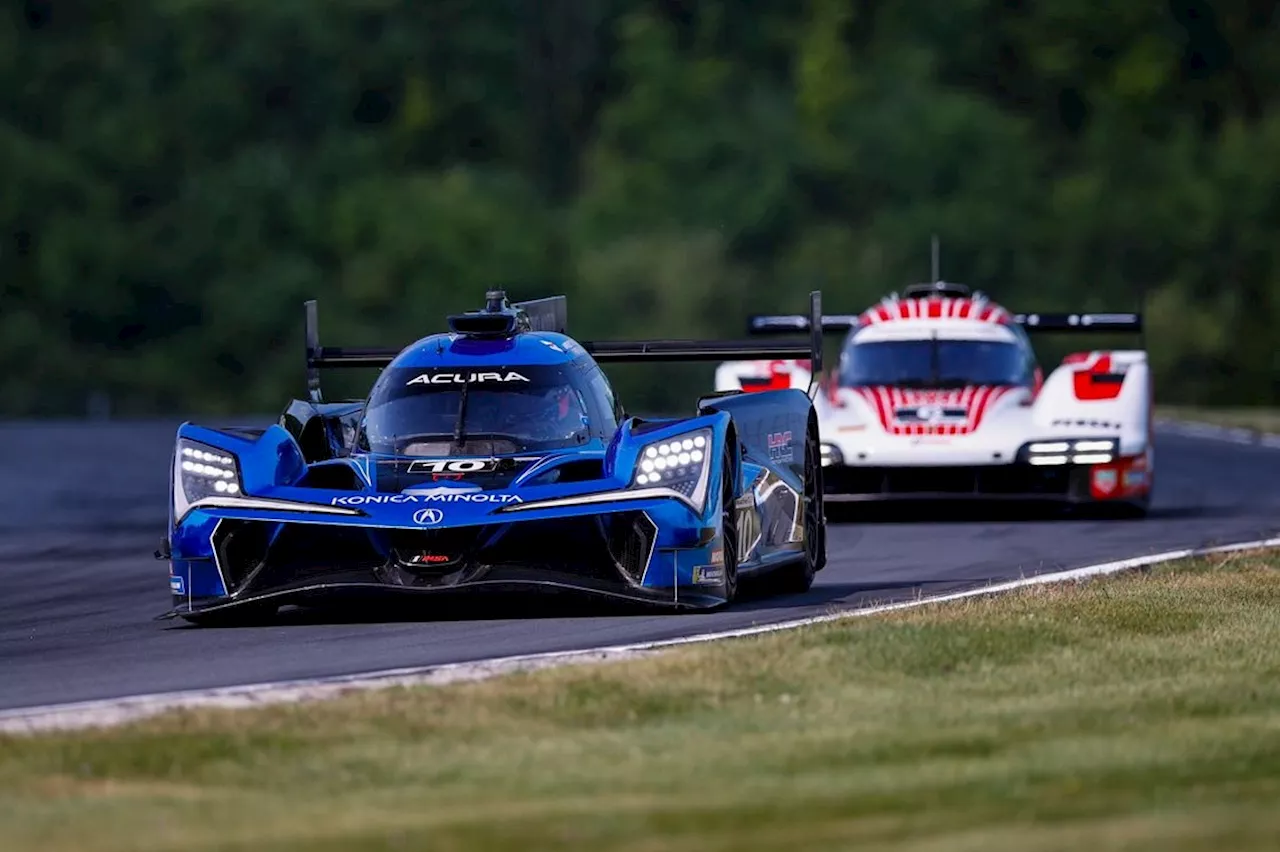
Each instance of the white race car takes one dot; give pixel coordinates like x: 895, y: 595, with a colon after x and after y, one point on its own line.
x: 938, y: 395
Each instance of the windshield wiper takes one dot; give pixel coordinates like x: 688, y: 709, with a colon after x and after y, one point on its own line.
x: 459, y: 433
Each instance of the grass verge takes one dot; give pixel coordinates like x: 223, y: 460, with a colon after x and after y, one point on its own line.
x: 1258, y: 419
x: 1131, y: 712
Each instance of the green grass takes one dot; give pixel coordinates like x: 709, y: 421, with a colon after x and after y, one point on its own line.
x: 1134, y: 712
x: 1259, y: 419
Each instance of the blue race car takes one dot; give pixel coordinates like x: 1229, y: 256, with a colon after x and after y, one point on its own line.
x: 496, y: 456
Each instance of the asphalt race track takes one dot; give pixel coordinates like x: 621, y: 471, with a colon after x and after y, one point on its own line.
x: 84, y: 507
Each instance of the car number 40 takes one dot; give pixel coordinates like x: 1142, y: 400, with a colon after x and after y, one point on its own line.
x: 452, y: 466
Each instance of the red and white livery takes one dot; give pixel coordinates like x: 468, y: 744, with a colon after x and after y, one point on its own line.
x: 938, y: 395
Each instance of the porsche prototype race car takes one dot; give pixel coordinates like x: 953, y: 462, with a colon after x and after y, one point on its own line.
x: 495, y: 456
x: 938, y: 395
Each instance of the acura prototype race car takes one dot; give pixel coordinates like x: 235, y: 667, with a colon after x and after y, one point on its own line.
x: 938, y: 395
x: 496, y: 456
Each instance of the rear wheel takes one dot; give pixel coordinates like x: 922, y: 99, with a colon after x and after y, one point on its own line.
x: 799, y: 575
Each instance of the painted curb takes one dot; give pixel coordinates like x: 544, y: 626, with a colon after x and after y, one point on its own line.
x: 118, y: 711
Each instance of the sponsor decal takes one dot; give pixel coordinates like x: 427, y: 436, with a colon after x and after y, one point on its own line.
x: 551, y: 345
x: 430, y: 559
x: 427, y: 495
x: 428, y: 517
x: 453, y: 467
x: 1104, y: 481
x: 177, y: 586
x: 1135, y: 479
x: 780, y: 446
x: 372, y: 499
x: 472, y: 497
x: 465, y: 494
x: 717, y: 556
x: 708, y: 575
x: 463, y: 378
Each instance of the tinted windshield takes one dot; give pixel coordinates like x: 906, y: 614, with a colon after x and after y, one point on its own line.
x: 934, y: 363
x: 415, y: 411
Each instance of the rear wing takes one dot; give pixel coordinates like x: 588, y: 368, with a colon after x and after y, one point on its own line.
x: 1122, y: 323
x: 766, y: 324
x: 791, y: 323
x: 550, y: 314
x: 1080, y: 322
x: 763, y: 324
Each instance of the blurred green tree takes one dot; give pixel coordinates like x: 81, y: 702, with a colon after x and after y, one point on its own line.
x: 177, y: 176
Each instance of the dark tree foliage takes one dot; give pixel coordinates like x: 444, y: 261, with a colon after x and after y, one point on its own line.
x: 177, y: 176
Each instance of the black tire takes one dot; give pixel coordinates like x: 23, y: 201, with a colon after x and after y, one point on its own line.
x: 799, y: 575
x: 815, y: 496
x: 729, y: 527
x: 1131, y: 511
x: 1113, y: 511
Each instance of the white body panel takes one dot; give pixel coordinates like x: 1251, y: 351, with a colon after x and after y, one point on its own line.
x: 1007, y: 420
x: 858, y: 427
x: 738, y: 375
x: 1083, y: 433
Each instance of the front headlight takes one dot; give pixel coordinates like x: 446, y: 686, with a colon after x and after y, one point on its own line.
x: 205, y: 471
x: 1079, y: 451
x: 831, y: 455
x: 679, y: 464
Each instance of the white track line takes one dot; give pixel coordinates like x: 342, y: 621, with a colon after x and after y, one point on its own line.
x: 116, y: 711
x: 1212, y: 432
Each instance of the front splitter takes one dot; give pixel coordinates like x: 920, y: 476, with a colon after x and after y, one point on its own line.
x: 327, y: 593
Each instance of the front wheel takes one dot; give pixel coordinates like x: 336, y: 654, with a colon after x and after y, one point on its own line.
x: 729, y: 528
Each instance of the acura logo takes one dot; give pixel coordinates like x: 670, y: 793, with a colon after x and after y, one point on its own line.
x: 428, y: 517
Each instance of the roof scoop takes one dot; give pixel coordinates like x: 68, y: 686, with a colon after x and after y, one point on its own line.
x: 498, y: 318
x: 502, y: 318
x: 937, y: 288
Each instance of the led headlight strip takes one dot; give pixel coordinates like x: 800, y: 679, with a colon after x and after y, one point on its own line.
x: 831, y: 455
x: 1085, y: 451
x: 207, y: 477
x: 207, y: 470
x: 672, y: 462
x: 202, y: 474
